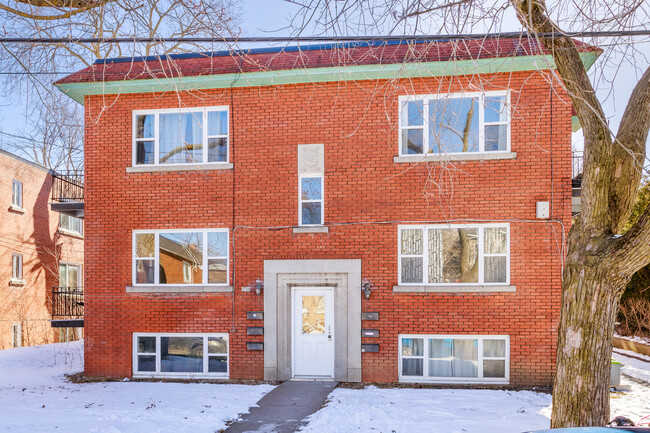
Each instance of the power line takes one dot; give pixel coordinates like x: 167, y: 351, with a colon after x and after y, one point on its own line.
x: 404, y: 38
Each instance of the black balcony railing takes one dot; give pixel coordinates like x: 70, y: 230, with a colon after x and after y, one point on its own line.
x: 67, y: 302
x: 68, y: 187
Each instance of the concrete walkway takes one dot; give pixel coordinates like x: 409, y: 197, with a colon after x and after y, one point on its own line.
x: 283, y: 409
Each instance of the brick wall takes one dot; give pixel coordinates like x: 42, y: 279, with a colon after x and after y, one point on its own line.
x: 34, y: 234
x: 356, y: 121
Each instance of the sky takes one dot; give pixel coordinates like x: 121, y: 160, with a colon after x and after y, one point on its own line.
x: 270, y: 18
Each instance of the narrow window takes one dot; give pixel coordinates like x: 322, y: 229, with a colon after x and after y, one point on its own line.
x: 17, y: 266
x: 17, y: 193
x: 311, y: 207
x: 16, y: 335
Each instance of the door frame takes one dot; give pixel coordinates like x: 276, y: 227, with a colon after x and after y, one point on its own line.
x: 332, y: 311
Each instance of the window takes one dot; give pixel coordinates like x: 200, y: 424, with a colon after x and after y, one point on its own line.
x: 180, y: 136
x: 71, y: 224
x: 181, y: 257
x: 69, y: 277
x: 453, y: 358
x: 454, y: 123
x: 17, y: 193
x: 180, y: 355
x: 16, y: 335
x: 17, y: 266
x: 454, y: 254
x: 311, y: 209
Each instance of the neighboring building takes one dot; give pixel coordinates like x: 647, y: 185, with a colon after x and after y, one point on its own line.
x: 365, y: 212
x: 40, y: 250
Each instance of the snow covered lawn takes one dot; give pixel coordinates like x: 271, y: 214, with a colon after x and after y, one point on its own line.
x: 34, y: 397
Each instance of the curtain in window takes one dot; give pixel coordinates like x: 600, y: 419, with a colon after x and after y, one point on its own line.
x: 181, y: 138
x: 453, y: 358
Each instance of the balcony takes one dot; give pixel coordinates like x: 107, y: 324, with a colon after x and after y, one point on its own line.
x: 67, y: 307
x: 577, y: 159
x: 68, y: 193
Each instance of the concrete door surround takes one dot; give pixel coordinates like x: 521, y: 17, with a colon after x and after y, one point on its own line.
x: 344, y: 276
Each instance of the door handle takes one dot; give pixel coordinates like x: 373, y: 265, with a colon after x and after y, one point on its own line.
x: 329, y: 333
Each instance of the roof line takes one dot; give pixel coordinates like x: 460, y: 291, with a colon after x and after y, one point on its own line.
x: 26, y: 161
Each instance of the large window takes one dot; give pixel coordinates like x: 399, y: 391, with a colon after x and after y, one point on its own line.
x: 311, y: 209
x: 71, y: 224
x: 180, y: 355
x: 454, y: 254
x: 453, y: 358
x: 17, y: 193
x: 70, y: 278
x: 187, y: 136
x: 189, y: 257
x: 454, y: 123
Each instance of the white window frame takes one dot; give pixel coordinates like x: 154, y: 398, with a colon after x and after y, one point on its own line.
x: 177, y: 375
x: 481, y: 358
x: 156, y: 137
x: 425, y: 253
x: 17, y: 193
x: 62, y: 229
x: 156, y: 257
x: 482, y: 124
x: 17, y: 267
x: 321, y: 200
x: 16, y: 328
x: 80, y: 279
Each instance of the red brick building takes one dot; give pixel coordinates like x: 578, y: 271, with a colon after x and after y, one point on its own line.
x: 39, y: 250
x: 363, y: 212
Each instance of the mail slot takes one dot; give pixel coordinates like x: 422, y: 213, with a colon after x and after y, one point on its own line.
x: 255, y: 315
x: 369, y: 316
x: 254, y: 330
x: 254, y: 346
x: 370, y: 347
x: 371, y: 333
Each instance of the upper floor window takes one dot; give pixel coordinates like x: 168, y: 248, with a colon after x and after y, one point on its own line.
x: 17, y: 266
x: 69, y: 276
x: 454, y: 254
x: 197, y: 257
x: 454, y: 123
x: 17, y: 193
x: 71, y: 224
x: 180, y: 136
x: 311, y: 209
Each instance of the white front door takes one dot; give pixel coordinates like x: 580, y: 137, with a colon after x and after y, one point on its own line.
x: 313, y: 332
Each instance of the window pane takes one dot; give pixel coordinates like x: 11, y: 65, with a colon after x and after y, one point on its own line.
x: 73, y: 277
x: 311, y: 188
x: 496, y: 137
x: 311, y: 213
x: 496, y: 240
x: 412, y: 347
x: 218, y: 364
x: 412, y: 367
x: 146, y: 363
x: 494, y: 348
x: 217, y: 149
x: 492, y: 368
x: 218, y: 244
x: 63, y: 275
x: 496, y: 109
x: 146, y: 344
x: 217, y: 123
x: 144, y: 152
x: 144, y: 272
x: 411, y: 269
x: 453, y: 358
x: 453, y: 125
x: 217, y: 271
x: 411, y: 241
x: 313, y: 314
x: 412, y: 113
x: 181, y: 354
x: 217, y: 345
x: 144, y: 126
x: 176, y: 249
x: 412, y: 142
x: 495, y: 269
x: 181, y: 138
x: 144, y: 245
x: 453, y: 255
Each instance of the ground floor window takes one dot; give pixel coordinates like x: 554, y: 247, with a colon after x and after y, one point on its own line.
x: 180, y: 355
x: 454, y: 358
x: 16, y: 335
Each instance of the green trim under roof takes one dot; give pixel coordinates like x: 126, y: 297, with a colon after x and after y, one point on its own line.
x: 77, y: 91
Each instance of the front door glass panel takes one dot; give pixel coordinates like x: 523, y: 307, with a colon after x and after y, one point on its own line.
x: 313, y: 314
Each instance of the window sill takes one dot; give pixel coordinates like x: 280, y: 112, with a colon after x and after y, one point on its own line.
x: 16, y: 283
x: 71, y: 234
x: 311, y: 229
x: 179, y: 289
x: 179, y: 167
x: 454, y: 157
x: 466, y: 381
x: 454, y: 289
x: 16, y: 209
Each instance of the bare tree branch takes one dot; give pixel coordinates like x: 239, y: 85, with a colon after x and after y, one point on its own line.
x: 78, y: 7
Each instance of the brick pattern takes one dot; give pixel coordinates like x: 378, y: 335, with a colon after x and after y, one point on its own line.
x: 364, y: 188
x: 35, y: 235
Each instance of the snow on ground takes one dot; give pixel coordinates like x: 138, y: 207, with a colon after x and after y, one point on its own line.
x: 34, y: 397
x: 631, y: 365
